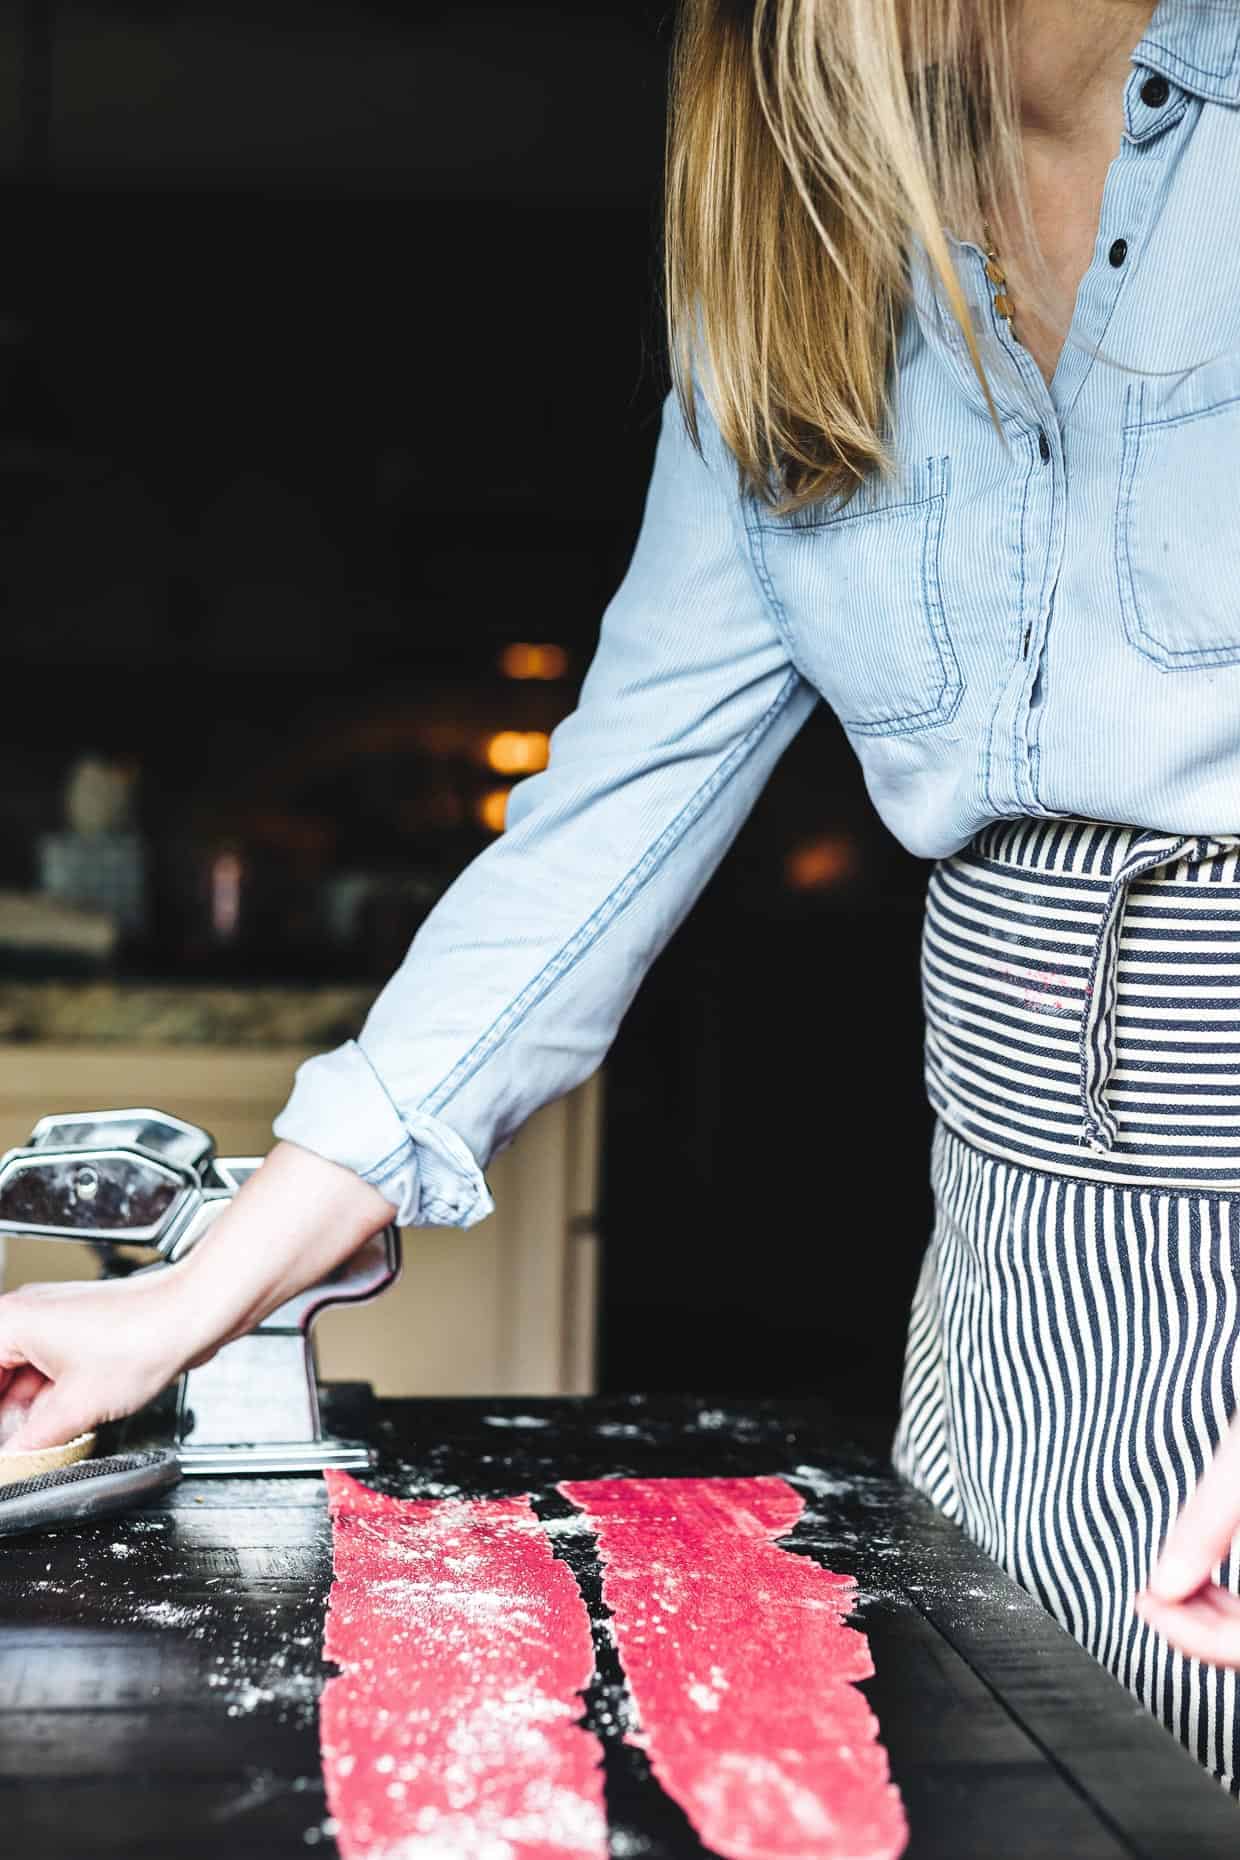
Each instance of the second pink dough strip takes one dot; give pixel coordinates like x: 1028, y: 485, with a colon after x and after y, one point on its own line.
x: 742, y: 1670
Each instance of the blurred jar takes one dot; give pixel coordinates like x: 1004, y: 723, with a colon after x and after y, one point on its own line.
x: 235, y: 907
x: 99, y: 860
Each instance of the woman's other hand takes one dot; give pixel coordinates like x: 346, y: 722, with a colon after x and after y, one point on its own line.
x: 1182, y: 1601
x: 75, y: 1355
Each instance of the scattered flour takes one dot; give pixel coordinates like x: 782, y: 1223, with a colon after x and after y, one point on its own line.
x: 719, y: 1421
x: 821, y: 1484
x: 624, y: 1845
x: 169, y: 1614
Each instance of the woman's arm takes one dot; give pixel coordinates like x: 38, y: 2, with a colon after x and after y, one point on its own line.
x: 512, y: 990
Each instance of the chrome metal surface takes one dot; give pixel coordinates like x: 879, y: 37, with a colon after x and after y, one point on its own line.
x: 143, y: 1177
x: 185, y: 1146
x: 232, y: 1171
x: 370, y: 1270
x: 271, y: 1371
x: 200, y: 1214
x: 106, y: 1196
x: 264, y: 1379
x: 280, y: 1456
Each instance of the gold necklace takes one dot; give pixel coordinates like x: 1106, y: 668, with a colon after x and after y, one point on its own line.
x: 1004, y: 304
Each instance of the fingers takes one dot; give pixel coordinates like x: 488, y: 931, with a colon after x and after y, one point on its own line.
x: 74, y: 1355
x: 12, y: 1355
x: 1201, y: 1536
x: 1192, y: 1613
x: 39, y: 1406
x: 24, y: 1387
x: 21, y: 1383
x: 59, y: 1413
x: 1206, y: 1626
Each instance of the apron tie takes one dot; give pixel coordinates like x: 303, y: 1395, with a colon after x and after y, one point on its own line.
x: 1098, y: 1036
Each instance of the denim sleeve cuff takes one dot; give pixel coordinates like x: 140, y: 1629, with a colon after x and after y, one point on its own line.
x: 340, y: 1110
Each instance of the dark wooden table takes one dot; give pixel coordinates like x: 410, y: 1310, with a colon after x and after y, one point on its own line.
x: 159, y: 1674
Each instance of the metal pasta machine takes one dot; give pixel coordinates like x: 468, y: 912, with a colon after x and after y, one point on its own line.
x: 142, y: 1179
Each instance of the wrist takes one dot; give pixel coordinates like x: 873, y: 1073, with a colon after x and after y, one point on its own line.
x: 295, y: 1220
x: 205, y: 1303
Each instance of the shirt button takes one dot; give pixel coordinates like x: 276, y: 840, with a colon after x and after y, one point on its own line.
x: 1044, y: 446
x: 1118, y: 252
x: 1155, y: 91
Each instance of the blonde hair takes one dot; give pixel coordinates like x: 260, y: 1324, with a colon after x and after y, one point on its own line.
x: 807, y: 139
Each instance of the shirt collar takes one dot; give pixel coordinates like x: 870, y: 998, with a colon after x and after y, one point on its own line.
x: 1196, y: 44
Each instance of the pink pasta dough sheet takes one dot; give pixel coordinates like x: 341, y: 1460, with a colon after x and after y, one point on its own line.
x: 463, y: 1644
x: 742, y: 1670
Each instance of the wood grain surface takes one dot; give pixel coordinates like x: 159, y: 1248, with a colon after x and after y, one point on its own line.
x: 159, y: 1673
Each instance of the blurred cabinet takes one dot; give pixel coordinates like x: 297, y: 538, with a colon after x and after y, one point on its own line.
x: 507, y: 1308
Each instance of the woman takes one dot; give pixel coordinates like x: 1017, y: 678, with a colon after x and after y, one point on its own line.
x: 954, y: 309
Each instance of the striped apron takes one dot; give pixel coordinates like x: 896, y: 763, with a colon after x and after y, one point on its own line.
x: 1071, y: 1352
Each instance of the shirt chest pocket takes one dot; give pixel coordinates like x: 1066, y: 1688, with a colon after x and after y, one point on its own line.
x: 857, y: 594
x: 1177, y: 524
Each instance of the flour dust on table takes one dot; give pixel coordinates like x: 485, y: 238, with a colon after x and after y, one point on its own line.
x: 456, y: 1726
x: 453, y: 1726
x: 742, y: 1670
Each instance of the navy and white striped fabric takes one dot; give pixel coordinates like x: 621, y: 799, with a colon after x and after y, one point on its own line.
x: 1069, y: 1371
x: 1072, y: 1348
x: 1082, y: 994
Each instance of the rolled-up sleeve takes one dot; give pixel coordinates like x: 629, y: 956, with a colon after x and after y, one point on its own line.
x: 513, y: 988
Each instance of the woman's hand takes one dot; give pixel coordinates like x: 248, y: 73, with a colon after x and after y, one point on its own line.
x: 1182, y: 1603
x: 75, y: 1355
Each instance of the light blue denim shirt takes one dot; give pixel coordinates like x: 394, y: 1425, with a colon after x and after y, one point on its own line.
x: 1040, y: 622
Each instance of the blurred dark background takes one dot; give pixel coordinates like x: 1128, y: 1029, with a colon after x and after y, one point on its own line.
x: 330, y: 364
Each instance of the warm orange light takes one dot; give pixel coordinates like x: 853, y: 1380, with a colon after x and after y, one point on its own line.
x: 816, y: 864
x: 518, y: 752
x: 526, y: 661
x: 493, y: 809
